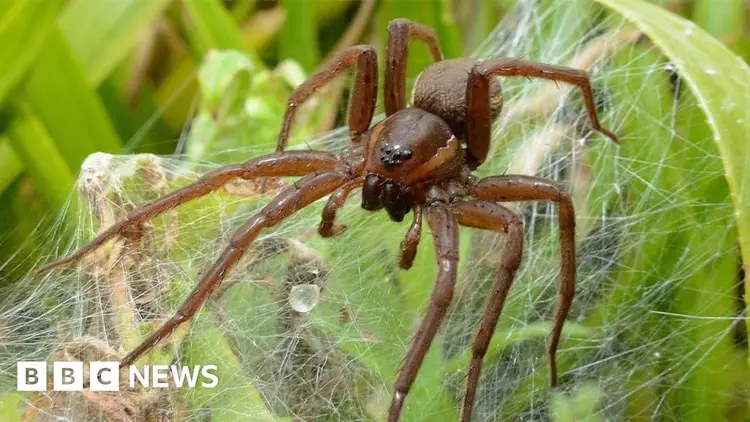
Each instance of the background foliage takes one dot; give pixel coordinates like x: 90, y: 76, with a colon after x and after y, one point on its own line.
x: 78, y: 77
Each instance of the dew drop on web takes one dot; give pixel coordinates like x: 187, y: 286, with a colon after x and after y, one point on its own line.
x: 304, y: 297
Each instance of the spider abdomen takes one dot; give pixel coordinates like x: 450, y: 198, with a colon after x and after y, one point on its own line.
x: 441, y: 90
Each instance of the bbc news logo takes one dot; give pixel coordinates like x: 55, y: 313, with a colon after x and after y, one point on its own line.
x: 105, y: 376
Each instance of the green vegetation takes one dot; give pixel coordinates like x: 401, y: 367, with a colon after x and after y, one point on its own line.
x: 663, y: 219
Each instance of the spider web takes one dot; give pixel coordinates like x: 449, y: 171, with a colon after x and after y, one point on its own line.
x: 315, y: 329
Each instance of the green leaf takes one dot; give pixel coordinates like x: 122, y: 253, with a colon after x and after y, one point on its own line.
x: 102, y: 33
x: 299, y: 39
x: 69, y: 108
x: 11, y: 405
x: 503, y: 340
x: 447, y: 30
x: 235, y: 394
x: 718, y: 79
x: 29, y: 21
x: 10, y: 164
x: 43, y: 161
x: 708, y: 314
x: 211, y: 26
x: 723, y: 19
x: 224, y: 80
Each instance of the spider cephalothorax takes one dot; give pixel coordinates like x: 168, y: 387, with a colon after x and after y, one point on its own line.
x: 408, y: 149
x: 418, y: 159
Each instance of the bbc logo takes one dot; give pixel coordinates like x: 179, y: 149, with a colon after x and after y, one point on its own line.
x: 67, y: 376
x: 105, y: 376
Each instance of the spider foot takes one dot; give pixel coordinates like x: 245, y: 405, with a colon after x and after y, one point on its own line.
x: 331, y: 230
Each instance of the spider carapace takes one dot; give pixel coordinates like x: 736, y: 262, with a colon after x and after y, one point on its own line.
x: 419, y: 159
x: 408, y: 152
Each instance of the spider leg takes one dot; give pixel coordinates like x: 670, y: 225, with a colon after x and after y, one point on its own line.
x: 445, y: 236
x: 529, y: 188
x: 495, y: 217
x: 479, y: 123
x: 363, y: 96
x: 397, y: 55
x: 327, y: 227
x: 292, y: 163
x: 411, y: 241
x: 292, y: 199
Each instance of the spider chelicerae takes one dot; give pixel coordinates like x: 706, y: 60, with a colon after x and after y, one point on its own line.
x: 419, y: 159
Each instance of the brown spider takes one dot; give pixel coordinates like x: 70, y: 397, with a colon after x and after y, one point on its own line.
x: 412, y: 160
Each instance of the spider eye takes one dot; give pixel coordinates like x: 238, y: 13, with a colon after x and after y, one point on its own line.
x: 393, y: 156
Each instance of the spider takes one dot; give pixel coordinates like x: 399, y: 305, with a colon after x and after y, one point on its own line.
x: 419, y: 159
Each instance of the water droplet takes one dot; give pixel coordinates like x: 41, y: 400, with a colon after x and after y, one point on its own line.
x: 657, y: 355
x: 689, y: 29
x: 709, y: 70
x: 304, y: 297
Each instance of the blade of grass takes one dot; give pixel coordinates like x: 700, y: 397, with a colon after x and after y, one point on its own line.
x: 447, y: 30
x: 102, y: 33
x: 69, y: 108
x: 10, y: 164
x: 326, y: 11
x: 476, y: 23
x: 29, y: 21
x: 11, y: 405
x: 43, y: 161
x: 213, y: 27
x: 24, y: 210
x: 241, y: 9
x: 718, y: 79
x: 298, y: 39
x: 705, y: 298
x: 724, y: 20
x: 705, y: 347
x: 176, y: 94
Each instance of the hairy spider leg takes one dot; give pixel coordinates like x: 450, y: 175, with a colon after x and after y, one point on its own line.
x: 512, y: 188
x: 445, y: 237
x: 363, y: 97
x: 479, y: 124
x: 490, y: 216
x: 400, y: 31
x: 292, y: 199
x: 292, y: 163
